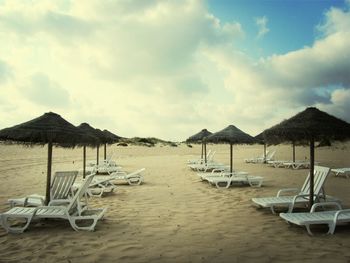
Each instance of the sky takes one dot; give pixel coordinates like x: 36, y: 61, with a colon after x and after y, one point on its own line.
x: 167, y: 69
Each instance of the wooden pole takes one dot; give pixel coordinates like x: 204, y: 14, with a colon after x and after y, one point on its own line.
x: 202, y: 151
x: 293, y: 152
x: 49, y: 167
x: 312, y: 163
x: 264, y: 152
x: 105, y: 151
x: 231, y: 160
x: 98, y: 154
x: 84, y: 161
x: 205, y: 152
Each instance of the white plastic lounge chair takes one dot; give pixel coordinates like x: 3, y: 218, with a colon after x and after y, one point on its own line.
x: 70, y: 210
x: 235, y: 178
x: 61, y: 188
x: 200, y: 160
x: 341, y: 172
x: 301, y: 196
x: 331, y: 218
x: 208, y: 167
x: 269, y: 157
x: 251, y: 160
x: 298, y: 164
x: 218, y: 173
x: 277, y: 163
x: 134, y: 178
x: 99, y: 186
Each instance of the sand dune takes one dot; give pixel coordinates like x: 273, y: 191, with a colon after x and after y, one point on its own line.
x: 173, y: 217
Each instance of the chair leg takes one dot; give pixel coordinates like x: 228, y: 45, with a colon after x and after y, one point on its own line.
x: 11, y: 229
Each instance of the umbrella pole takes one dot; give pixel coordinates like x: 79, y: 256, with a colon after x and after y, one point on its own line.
x: 231, y: 160
x: 293, y: 152
x: 264, y: 152
x: 202, y: 152
x: 312, y: 162
x: 49, y: 166
x: 84, y: 161
x: 97, y: 154
x: 105, y: 151
x: 205, y: 153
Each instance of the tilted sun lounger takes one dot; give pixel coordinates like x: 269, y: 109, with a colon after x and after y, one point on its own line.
x: 100, y: 186
x: 61, y: 188
x: 301, y: 196
x: 218, y: 173
x: 69, y: 209
x: 341, y: 172
x: 330, y: 218
x: 298, y: 164
x: 134, y: 178
x: 235, y: 178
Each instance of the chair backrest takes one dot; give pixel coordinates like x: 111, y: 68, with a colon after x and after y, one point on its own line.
x: 135, y: 173
x: 270, y: 155
x: 320, y: 176
x: 62, y: 184
x: 79, y: 194
x: 211, y: 156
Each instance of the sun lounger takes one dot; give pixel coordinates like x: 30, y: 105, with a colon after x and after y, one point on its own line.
x: 341, y: 172
x: 251, y: 160
x: 134, y: 178
x: 277, y: 163
x: 228, y: 180
x: 298, y: 164
x: 99, y: 186
x: 210, y: 157
x: 80, y: 218
x: 331, y: 218
x: 269, y: 157
x: 301, y: 196
x: 218, y: 173
x: 61, y: 188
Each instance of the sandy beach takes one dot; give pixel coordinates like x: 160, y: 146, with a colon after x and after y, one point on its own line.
x: 173, y: 217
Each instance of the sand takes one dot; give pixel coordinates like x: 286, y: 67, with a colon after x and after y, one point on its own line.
x: 173, y: 217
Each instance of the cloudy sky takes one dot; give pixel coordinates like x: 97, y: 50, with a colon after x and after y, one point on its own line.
x: 170, y: 68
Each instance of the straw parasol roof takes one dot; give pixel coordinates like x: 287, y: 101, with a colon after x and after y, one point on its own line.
x: 112, y: 136
x: 232, y: 135
x: 50, y: 129
x: 198, y: 137
x: 309, y: 125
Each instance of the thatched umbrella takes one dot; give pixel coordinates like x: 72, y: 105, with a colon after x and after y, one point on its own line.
x: 111, y: 138
x: 86, y: 128
x: 199, y: 137
x: 260, y: 139
x: 50, y: 129
x: 231, y: 135
x: 309, y: 126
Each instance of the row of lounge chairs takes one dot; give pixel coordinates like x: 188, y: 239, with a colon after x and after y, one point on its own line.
x: 68, y: 200
x: 331, y: 214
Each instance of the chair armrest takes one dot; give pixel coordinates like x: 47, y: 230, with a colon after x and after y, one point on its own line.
x: 279, y: 193
x: 336, y: 205
x: 33, y: 197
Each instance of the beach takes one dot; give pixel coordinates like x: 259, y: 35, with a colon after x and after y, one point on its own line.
x: 173, y: 216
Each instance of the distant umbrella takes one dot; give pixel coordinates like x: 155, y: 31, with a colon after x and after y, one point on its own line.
x: 231, y: 135
x: 112, y: 138
x: 86, y: 128
x: 309, y: 126
x: 50, y: 129
x: 198, y: 138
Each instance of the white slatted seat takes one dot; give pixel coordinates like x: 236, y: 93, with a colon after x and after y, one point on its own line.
x: 330, y: 218
x: 71, y: 210
x: 301, y: 196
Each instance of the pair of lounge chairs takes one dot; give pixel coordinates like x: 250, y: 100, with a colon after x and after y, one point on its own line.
x: 262, y: 158
x: 74, y: 210
x: 102, y: 185
x: 210, y: 156
x: 331, y: 218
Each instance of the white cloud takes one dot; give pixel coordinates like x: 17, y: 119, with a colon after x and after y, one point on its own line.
x: 261, y: 23
x: 159, y: 68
